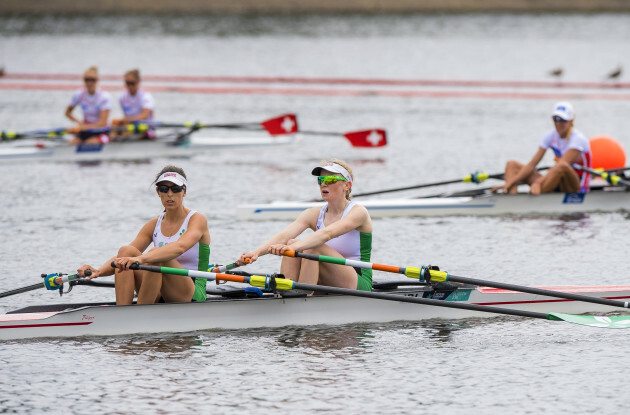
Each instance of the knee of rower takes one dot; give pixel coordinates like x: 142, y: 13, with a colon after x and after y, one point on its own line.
x: 128, y: 250
x: 563, y: 165
x: 512, y: 165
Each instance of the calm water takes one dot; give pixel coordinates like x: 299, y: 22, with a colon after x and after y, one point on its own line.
x: 57, y: 216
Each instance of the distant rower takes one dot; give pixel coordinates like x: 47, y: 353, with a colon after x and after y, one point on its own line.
x: 569, y: 145
x: 136, y: 104
x: 96, y: 105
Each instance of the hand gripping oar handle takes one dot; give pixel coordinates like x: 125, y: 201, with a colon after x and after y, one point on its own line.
x: 425, y: 273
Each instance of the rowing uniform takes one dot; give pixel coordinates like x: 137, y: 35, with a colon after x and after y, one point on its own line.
x: 576, y: 140
x: 197, y: 257
x: 134, y: 104
x: 92, y: 105
x: 351, y: 245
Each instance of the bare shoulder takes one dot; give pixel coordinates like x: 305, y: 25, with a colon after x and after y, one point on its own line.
x: 199, y: 218
x: 359, y: 209
x: 151, y: 224
x: 309, y: 216
x: 362, y: 217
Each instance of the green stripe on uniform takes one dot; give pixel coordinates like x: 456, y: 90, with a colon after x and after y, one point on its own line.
x: 200, y: 283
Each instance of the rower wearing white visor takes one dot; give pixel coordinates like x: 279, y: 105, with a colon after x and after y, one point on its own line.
x: 341, y: 228
x: 569, y: 146
x: 181, y: 239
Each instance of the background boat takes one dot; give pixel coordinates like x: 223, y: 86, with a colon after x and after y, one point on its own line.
x: 59, y: 150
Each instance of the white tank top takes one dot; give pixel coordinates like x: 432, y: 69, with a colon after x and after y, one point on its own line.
x: 348, y: 244
x: 190, y: 258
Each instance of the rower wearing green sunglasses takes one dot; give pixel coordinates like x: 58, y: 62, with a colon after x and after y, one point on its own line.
x: 341, y: 228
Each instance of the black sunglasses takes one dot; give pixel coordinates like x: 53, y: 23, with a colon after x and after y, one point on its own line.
x: 162, y: 188
x: 130, y: 83
x: 558, y: 119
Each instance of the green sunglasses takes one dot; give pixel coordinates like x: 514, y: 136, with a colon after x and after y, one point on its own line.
x: 329, y: 179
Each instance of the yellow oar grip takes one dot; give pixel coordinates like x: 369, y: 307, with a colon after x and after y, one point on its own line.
x: 476, y: 178
x: 439, y: 276
x: 611, y: 178
x: 261, y: 281
x: 412, y: 272
x: 284, y: 284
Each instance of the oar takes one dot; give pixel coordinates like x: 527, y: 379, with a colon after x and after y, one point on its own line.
x: 477, y: 177
x: 51, y: 282
x: 47, y: 133
x: 605, y: 174
x: 273, y: 283
x: 376, y: 137
x: 425, y: 274
x: 280, y: 125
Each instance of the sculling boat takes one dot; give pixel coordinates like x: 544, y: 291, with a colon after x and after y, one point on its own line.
x: 59, y: 150
x: 599, y: 199
x: 230, y: 307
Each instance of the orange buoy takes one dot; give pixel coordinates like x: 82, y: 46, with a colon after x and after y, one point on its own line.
x: 607, y: 153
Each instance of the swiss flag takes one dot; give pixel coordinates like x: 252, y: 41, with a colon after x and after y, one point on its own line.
x: 284, y: 124
x: 367, y: 138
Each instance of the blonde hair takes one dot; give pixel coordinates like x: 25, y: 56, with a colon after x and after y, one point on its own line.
x: 345, y: 166
x: 133, y: 72
x: 93, y: 70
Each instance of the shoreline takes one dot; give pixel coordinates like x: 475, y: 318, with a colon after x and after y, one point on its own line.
x: 52, y: 7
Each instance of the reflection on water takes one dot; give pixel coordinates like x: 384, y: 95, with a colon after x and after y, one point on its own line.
x: 151, y: 346
x: 326, y: 339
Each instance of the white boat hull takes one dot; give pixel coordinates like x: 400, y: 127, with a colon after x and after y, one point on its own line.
x: 484, y: 205
x: 131, y: 150
x: 107, y: 320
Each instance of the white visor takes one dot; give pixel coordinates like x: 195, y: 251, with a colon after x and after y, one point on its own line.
x: 333, y: 168
x: 171, y: 176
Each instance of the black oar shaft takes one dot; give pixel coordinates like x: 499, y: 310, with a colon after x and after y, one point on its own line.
x: 539, y: 291
x: 416, y: 300
x: 420, y: 186
x: 22, y: 290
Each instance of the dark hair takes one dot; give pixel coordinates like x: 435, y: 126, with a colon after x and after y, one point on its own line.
x: 170, y: 168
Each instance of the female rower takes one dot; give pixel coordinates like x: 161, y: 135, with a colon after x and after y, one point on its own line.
x: 180, y: 238
x: 96, y: 105
x: 342, y: 228
x: 136, y: 104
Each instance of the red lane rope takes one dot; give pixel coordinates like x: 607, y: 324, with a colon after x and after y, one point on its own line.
x: 334, y: 92
x: 330, y: 81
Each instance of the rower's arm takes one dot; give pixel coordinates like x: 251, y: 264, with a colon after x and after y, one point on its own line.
x: 102, y: 121
x: 70, y: 116
x: 143, y: 115
x: 571, y: 156
x: 356, y: 218
x: 304, y: 221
